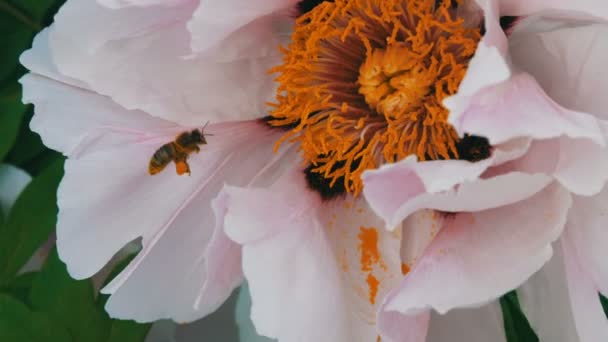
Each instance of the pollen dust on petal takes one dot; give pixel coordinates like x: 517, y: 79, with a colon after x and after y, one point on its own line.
x: 368, y: 246
x: 372, y: 284
x: 370, y: 257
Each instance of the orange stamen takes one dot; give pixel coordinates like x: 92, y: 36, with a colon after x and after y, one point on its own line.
x: 363, y: 83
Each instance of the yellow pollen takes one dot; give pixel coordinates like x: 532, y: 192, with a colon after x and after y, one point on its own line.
x: 362, y: 84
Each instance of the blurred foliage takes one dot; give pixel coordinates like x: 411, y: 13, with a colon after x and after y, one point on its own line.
x: 515, y: 322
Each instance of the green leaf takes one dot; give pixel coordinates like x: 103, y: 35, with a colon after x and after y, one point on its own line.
x: 128, y: 331
x: 18, y: 323
x: 30, y: 221
x: 17, y: 31
x: 19, y: 287
x: 69, y: 302
x: 604, y: 302
x: 42, y: 161
x: 29, y: 145
x: 517, y: 327
x: 39, y: 12
x: 11, y: 115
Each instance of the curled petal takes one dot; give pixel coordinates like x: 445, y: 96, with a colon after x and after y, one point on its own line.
x: 519, y: 108
x: 483, y: 255
x: 395, y: 191
x: 592, y: 8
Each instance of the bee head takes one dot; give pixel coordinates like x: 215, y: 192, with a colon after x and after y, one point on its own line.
x: 197, y: 136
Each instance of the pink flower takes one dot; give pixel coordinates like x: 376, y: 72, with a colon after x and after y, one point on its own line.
x: 414, y: 159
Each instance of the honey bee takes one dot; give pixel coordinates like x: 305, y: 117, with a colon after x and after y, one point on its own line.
x: 178, y: 151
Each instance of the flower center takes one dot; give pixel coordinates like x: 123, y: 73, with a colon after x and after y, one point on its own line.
x: 363, y: 81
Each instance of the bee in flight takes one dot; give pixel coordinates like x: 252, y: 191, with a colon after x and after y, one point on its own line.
x: 178, y: 151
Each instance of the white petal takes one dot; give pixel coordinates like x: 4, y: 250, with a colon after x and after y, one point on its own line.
x: 308, y: 278
x: 140, y: 62
x: 588, y: 235
x: 561, y: 301
x: 107, y: 199
x: 143, y: 3
x: 589, y: 316
x: 544, y: 299
x: 223, y: 261
x: 483, y: 255
x: 484, y: 324
x: 565, y: 60
x: 71, y: 119
x: 566, y: 160
x: 520, y: 108
x: 396, y: 190
x: 182, y: 272
x: 247, y: 331
x: 253, y: 23
x: 39, y: 60
x: 596, y: 8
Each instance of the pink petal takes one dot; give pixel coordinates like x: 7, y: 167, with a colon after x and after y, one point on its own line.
x: 69, y: 119
x: 484, y: 324
x: 544, y: 299
x: 39, y: 61
x: 223, y: 262
x: 396, y: 190
x: 142, y: 3
x: 304, y: 265
x: 588, y: 236
x: 140, y: 61
x: 564, y: 57
x: 183, y: 272
x: 215, y: 21
x: 561, y: 300
x: 109, y: 149
x: 483, y: 255
x: 566, y: 160
x: 589, y: 317
x: 520, y: 108
x: 396, y: 327
x: 596, y: 8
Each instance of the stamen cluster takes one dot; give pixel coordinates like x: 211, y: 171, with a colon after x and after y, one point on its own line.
x: 362, y: 84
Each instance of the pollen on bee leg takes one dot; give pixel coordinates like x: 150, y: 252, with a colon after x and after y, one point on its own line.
x: 182, y: 167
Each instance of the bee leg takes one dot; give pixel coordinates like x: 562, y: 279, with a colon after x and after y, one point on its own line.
x: 182, y: 167
x: 197, y: 149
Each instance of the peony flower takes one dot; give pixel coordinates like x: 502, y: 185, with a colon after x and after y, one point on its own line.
x: 414, y: 161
